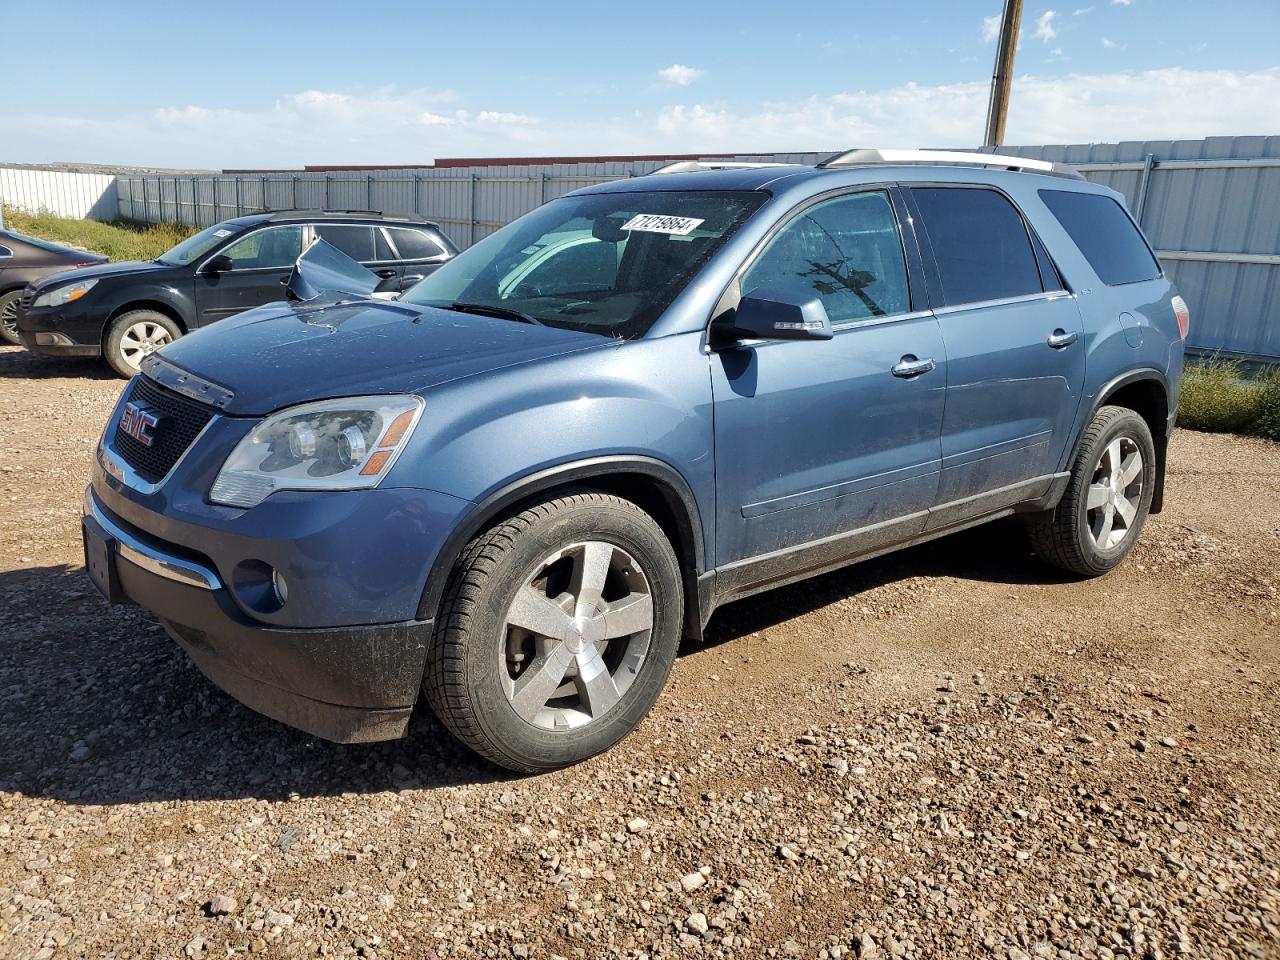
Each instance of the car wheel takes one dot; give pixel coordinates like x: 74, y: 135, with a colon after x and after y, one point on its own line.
x: 9, y: 317
x: 557, y: 632
x: 1107, y: 499
x: 134, y: 335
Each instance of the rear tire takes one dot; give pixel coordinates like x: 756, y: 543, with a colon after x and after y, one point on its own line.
x: 599, y: 588
x: 133, y: 336
x: 9, y: 317
x: 1107, y: 499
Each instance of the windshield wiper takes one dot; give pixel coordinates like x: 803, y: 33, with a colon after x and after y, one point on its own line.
x: 503, y: 313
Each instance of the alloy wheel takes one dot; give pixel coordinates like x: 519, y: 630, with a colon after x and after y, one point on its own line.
x: 142, y: 338
x: 9, y: 320
x: 1115, y: 494
x: 575, y: 635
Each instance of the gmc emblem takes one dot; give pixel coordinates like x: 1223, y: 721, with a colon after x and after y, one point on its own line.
x: 139, y: 422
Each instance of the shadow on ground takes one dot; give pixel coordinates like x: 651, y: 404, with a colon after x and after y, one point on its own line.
x: 17, y: 363
x: 98, y: 706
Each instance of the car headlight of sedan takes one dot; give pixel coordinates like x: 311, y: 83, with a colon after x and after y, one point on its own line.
x: 64, y: 294
x: 346, y: 444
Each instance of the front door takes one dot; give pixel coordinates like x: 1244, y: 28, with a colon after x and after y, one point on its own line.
x: 1015, y: 350
x: 829, y: 446
x: 261, y: 263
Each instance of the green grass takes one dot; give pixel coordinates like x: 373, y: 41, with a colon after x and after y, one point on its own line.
x: 119, y: 239
x: 1217, y: 396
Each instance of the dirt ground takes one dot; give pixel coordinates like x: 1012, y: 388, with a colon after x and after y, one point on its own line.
x: 952, y: 751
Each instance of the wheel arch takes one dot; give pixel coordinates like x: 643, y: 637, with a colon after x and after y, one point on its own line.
x: 1146, y: 392
x: 159, y: 306
x: 653, y: 485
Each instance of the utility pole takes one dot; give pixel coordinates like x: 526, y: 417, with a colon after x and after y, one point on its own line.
x: 1002, y: 75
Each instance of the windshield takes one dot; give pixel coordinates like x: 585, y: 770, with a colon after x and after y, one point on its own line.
x: 196, y: 246
x: 607, y: 263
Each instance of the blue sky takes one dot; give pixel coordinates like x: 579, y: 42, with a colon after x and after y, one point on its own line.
x: 346, y: 83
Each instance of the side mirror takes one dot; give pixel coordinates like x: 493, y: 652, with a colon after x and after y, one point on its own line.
x: 219, y: 264
x: 768, y: 313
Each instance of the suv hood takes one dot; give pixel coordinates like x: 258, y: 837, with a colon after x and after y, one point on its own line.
x: 279, y: 355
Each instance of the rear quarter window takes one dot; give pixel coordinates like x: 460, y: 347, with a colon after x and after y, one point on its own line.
x: 1105, y: 234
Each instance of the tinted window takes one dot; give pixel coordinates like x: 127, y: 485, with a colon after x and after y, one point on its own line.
x: 980, y: 244
x: 272, y: 247
x: 382, y: 249
x: 846, y: 250
x: 197, y: 245
x: 415, y: 244
x: 1105, y: 235
x: 1049, y: 277
x: 5, y: 251
x: 355, y: 241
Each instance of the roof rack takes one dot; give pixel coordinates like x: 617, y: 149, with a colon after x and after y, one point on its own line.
x: 852, y: 158
x: 690, y: 166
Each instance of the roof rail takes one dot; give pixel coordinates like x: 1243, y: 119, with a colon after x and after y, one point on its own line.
x: 690, y: 166
x: 1004, y: 161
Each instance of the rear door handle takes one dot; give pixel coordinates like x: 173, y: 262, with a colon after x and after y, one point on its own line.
x: 1060, y: 339
x: 909, y: 367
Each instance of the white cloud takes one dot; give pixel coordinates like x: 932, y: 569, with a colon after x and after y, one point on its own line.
x: 678, y: 75
x: 1081, y: 11
x: 1121, y: 3
x: 413, y: 127
x: 1109, y: 44
x: 1044, y: 26
x: 990, y: 28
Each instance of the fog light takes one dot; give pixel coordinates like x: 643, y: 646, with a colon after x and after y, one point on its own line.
x: 259, y: 586
x: 281, y: 586
x: 54, y: 340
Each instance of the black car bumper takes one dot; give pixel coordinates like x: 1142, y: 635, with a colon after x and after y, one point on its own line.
x: 67, y: 331
x: 349, y: 684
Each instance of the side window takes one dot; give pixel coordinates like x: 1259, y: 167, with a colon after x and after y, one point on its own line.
x: 574, y: 266
x: 381, y: 248
x: 415, y: 244
x: 1105, y: 234
x: 846, y: 250
x: 1049, y: 277
x: 5, y: 252
x: 352, y: 239
x: 980, y: 244
x: 272, y: 247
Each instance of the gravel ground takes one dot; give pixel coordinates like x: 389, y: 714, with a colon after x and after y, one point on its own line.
x: 949, y: 752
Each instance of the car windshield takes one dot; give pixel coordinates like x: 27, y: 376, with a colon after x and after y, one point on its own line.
x: 197, y: 245
x: 607, y: 263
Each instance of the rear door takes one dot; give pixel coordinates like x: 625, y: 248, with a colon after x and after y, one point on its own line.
x: 1014, y: 343
x: 261, y: 262
x: 817, y: 439
x: 417, y: 253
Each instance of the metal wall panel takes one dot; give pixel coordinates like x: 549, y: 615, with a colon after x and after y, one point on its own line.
x: 75, y: 195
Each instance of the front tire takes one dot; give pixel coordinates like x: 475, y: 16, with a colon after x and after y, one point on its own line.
x: 557, y: 632
x: 9, y: 317
x: 1107, y: 499
x: 133, y: 336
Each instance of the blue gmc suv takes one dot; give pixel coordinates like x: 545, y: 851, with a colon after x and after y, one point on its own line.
x: 517, y: 487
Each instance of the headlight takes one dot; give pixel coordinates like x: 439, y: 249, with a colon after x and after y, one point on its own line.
x: 347, y: 444
x: 64, y: 294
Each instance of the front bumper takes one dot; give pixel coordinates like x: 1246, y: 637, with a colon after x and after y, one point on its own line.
x: 346, y: 684
x: 61, y: 331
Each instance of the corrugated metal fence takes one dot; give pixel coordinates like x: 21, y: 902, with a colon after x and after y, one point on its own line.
x: 79, y: 196
x: 1210, y: 207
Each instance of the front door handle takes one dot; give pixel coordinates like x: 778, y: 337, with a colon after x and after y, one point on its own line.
x: 1060, y: 339
x: 386, y: 273
x: 909, y: 367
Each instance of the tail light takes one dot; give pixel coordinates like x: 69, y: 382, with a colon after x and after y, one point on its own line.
x: 1184, y: 317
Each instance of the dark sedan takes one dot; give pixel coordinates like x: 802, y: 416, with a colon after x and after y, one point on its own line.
x: 25, y: 260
